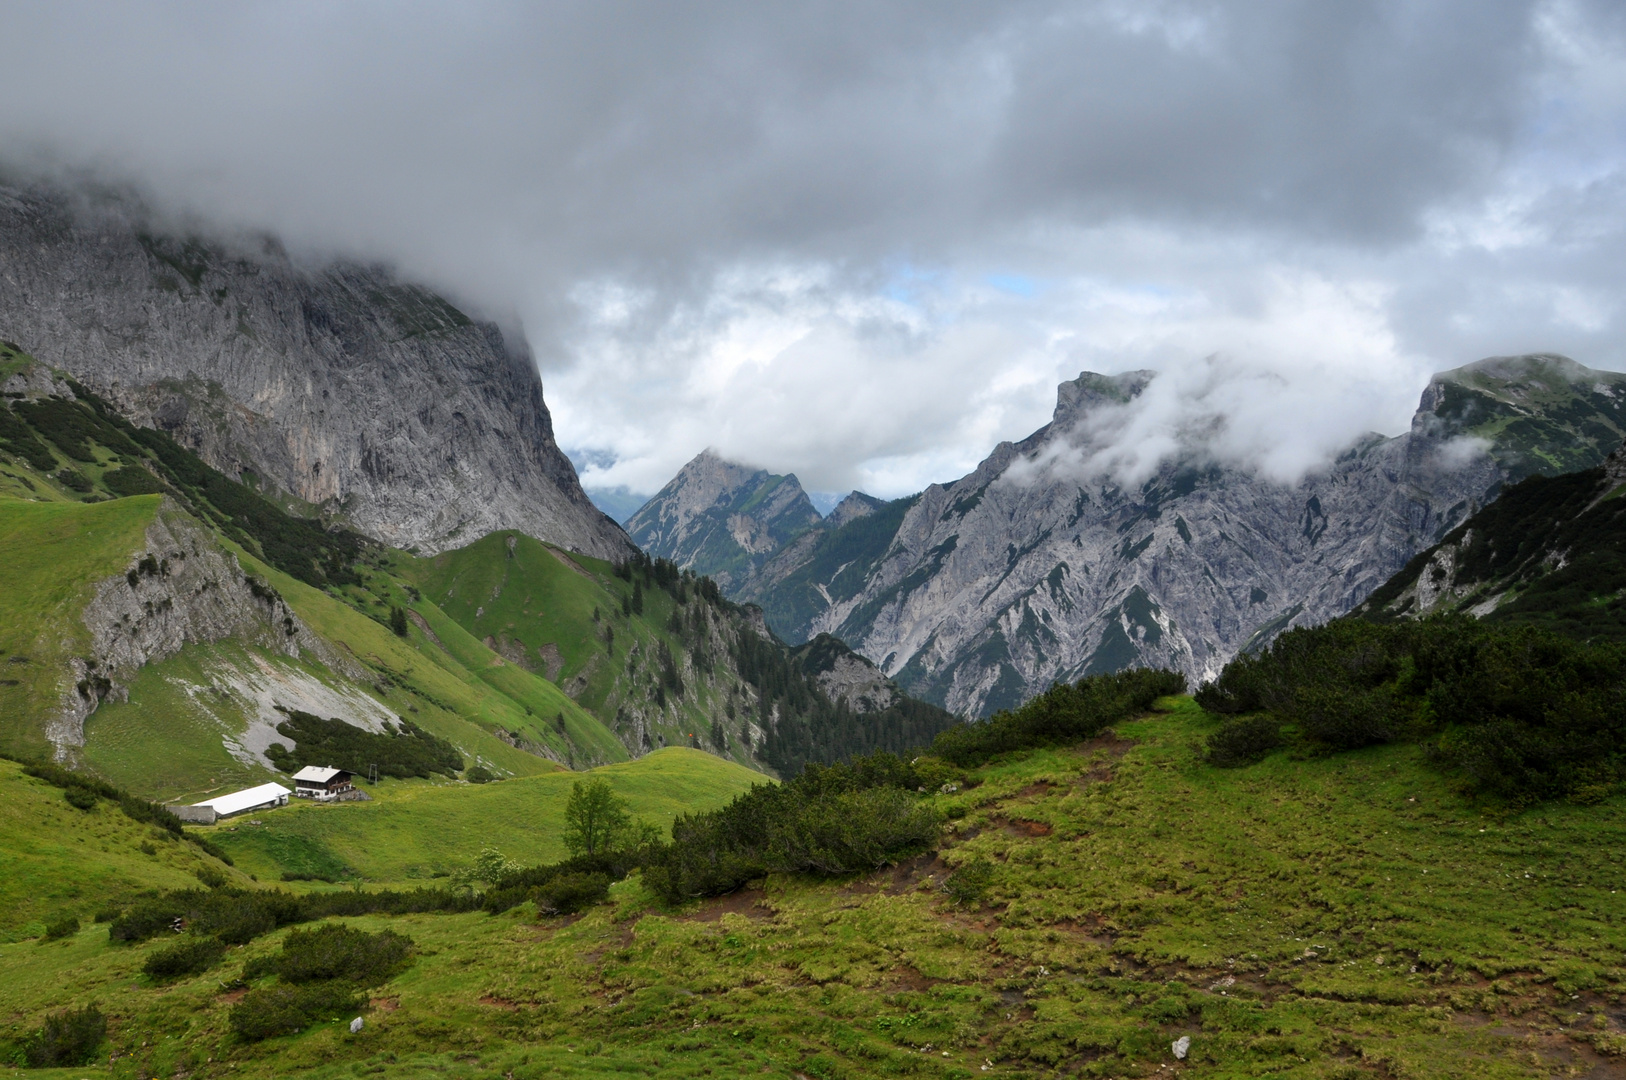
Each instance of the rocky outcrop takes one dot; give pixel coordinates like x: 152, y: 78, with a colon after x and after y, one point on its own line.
x: 980, y: 593
x: 374, y: 400
x: 721, y: 519
x: 182, y: 588
x: 844, y: 676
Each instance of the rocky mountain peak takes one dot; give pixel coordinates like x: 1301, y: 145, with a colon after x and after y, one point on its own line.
x: 1090, y: 391
x: 853, y: 507
x: 342, y: 388
x: 721, y: 519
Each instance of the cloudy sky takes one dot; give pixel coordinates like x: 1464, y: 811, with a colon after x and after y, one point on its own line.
x: 863, y: 241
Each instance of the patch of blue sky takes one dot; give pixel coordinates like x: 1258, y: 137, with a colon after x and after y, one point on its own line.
x: 825, y: 501
x: 909, y: 284
x: 1015, y: 284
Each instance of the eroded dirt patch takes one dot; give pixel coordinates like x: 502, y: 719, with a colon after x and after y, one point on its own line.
x: 499, y: 1003
x: 748, y: 902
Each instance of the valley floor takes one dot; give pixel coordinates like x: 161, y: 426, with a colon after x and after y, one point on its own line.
x: 1341, y: 917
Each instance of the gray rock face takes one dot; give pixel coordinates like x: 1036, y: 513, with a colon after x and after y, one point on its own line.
x: 721, y: 519
x: 1026, y: 572
x: 183, y: 588
x: 845, y: 676
x: 856, y: 505
x: 376, y: 401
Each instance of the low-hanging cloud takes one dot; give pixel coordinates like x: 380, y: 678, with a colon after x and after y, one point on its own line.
x: 863, y: 242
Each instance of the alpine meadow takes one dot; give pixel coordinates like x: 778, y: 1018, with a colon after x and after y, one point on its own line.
x: 1063, y: 540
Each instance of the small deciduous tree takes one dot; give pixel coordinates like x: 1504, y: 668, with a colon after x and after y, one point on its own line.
x: 490, y: 866
x: 596, y: 819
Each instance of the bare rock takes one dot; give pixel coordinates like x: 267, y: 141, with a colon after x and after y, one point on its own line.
x: 372, y: 399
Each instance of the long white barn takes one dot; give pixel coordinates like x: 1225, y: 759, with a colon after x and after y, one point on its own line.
x: 255, y: 798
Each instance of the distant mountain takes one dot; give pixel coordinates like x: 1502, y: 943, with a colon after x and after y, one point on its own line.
x: 1550, y: 551
x: 979, y: 593
x: 721, y: 520
x: 339, y: 390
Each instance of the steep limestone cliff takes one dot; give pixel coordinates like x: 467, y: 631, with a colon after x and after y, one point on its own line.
x: 369, y: 398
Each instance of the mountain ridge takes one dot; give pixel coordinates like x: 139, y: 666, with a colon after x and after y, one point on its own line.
x: 978, y: 593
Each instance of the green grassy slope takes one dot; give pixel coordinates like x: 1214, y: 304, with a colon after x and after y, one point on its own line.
x: 61, y: 859
x: 1345, y: 918
x: 51, y: 556
x: 1540, y: 414
x: 453, y: 679
x: 562, y: 615
x: 413, y: 830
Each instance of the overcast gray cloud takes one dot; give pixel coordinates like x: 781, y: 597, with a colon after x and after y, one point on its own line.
x: 863, y: 242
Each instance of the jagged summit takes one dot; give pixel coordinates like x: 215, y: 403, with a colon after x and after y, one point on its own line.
x: 1077, y: 397
x: 721, y: 519
x: 854, y: 506
x: 343, y: 388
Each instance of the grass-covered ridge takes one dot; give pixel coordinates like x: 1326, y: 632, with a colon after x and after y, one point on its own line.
x: 1346, y: 916
x: 52, y: 554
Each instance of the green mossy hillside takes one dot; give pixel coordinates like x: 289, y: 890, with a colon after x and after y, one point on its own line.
x: 1538, y: 414
x: 1332, y: 918
x: 61, y: 859
x: 52, y: 554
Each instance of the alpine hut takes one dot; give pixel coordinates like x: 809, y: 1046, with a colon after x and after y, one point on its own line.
x: 319, y: 782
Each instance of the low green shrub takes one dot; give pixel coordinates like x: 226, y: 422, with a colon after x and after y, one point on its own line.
x: 62, y: 925
x: 74, y: 480
x: 1067, y: 712
x: 837, y: 819
x: 284, y: 1010
x: 336, y: 951
x: 132, y: 480
x: 189, y: 956
x: 17, y: 437
x: 1518, y: 713
x: 518, y: 886
x: 479, y: 774
x: 567, y: 894
x: 968, y: 885
x: 1244, y: 741
x: 67, y: 1038
x: 81, y: 798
